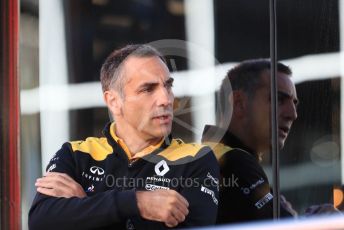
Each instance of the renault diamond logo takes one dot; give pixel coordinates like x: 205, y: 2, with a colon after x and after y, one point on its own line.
x: 161, y: 168
x: 97, y: 170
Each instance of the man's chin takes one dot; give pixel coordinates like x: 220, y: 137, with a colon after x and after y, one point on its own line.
x: 280, y: 144
x: 164, y: 131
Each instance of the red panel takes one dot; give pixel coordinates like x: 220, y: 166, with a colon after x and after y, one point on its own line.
x: 10, y: 163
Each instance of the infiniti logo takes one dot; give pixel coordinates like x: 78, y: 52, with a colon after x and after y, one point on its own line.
x: 97, y: 170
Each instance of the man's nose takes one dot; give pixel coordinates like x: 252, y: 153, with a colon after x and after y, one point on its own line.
x: 165, y: 97
x: 289, y: 111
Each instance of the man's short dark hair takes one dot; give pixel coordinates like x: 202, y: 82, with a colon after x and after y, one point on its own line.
x: 110, y: 73
x: 246, y: 76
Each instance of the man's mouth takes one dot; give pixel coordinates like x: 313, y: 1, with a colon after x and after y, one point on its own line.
x: 284, y: 130
x: 163, y: 118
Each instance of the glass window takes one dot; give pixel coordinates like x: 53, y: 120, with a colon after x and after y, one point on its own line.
x: 64, y: 43
x: 309, y: 38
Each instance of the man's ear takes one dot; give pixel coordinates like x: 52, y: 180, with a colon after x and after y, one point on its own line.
x: 239, y: 103
x: 113, y: 101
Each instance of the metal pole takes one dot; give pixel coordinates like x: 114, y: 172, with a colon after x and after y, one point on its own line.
x: 274, y: 120
x: 9, y: 117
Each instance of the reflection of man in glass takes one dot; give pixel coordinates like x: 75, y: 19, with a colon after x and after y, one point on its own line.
x: 86, y: 188
x: 247, y: 196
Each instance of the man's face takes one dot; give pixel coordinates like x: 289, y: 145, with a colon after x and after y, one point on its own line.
x: 147, y: 107
x: 258, y: 117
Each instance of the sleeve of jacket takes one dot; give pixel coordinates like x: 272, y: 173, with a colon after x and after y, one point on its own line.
x: 79, y: 213
x: 245, y: 191
x: 201, y: 189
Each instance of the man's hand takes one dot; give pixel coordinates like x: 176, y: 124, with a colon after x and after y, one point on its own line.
x: 166, y: 206
x: 287, y: 206
x: 59, y: 185
x: 321, y: 209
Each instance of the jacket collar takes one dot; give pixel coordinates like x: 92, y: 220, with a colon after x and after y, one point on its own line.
x: 118, y: 148
x: 226, y: 138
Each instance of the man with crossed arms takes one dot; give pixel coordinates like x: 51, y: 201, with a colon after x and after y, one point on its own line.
x: 76, y: 191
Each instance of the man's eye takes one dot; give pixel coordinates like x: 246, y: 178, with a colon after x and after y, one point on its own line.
x: 147, y: 90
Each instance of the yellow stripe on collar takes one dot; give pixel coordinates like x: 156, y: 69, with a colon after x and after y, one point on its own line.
x: 218, y: 148
x: 178, y: 150
x: 98, y: 148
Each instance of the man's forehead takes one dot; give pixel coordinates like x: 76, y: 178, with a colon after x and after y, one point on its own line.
x: 147, y: 78
x: 284, y: 82
x: 151, y: 69
x: 285, y: 85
